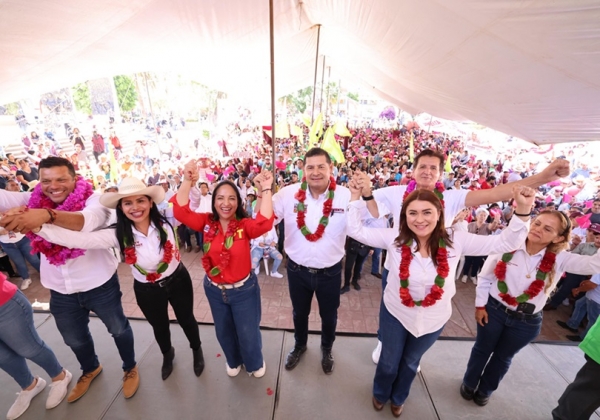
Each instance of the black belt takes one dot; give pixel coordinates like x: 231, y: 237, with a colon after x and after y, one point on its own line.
x: 519, y: 315
x: 310, y: 269
x: 162, y: 282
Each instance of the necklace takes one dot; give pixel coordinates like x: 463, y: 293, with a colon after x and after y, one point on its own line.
x: 56, y: 254
x: 439, y: 188
x: 131, y: 259
x: 437, y: 290
x: 534, y: 288
x: 301, y: 211
x: 225, y: 254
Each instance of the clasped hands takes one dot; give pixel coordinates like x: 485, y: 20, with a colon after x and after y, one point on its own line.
x: 23, y: 220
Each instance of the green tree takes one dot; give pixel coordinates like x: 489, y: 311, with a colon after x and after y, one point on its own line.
x: 353, y: 96
x: 300, y: 99
x: 82, y: 98
x: 126, y: 92
x: 14, y: 108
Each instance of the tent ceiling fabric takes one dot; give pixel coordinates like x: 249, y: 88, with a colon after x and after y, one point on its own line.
x: 526, y: 68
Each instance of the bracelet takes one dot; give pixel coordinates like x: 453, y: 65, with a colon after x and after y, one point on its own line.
x: 259, y: 196
x: 52, y: 214
x: 522, y: 215
x: 480, y: 308
x: 267, y: 189
x: 369, y: 198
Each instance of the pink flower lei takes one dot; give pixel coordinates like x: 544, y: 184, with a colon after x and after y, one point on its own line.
x: 438, y: 189
x: 57, y: 254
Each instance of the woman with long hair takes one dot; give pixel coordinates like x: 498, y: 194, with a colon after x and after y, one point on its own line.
x: 230, y: 283
x: 511, y: 293
x: 149, y: 245
x: 417, y: 298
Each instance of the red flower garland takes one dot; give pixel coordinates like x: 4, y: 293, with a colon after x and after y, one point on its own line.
x: 131, y: 259
x: 534, y: 288
x: 437, y: 290
x: 225, y: 253
x: 301, y: 211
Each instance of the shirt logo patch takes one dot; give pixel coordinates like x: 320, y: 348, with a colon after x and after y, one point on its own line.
x: 334, y: 211
x: 206, y: 228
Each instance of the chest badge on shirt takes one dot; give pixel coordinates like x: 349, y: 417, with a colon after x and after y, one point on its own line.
x: 336, y: 211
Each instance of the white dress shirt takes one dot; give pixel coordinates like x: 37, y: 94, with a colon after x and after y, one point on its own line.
x: 420, y: 320
x: 200, y: 203
x: 522, y: 264
x: 147, y: 248
x: 83, y: 273
x: 327, y: 251
x: 389, y: 200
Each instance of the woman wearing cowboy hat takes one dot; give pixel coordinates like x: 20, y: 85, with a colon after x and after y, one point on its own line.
x: 147, y: 243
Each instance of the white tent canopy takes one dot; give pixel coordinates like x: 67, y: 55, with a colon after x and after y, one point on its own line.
x: 526, y: 68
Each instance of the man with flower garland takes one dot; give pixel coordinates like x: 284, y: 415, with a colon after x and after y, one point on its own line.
x: 428, y: 167
x: 314, y: 213
x: 79, y: 281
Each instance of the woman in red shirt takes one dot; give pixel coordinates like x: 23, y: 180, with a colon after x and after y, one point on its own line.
x: 230, y: 284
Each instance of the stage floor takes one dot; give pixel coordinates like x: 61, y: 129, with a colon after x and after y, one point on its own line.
x: 530, y: 390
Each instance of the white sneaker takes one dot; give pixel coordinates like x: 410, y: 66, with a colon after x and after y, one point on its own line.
x: 566, y: 302
x: 419, y: 368
x: 25, y: 284
x: 464, y: 278
x: 24, y: 399
x: 276, y: 275
x: 377, y: 352
x: 233, y: 372
x: 58, y: 391
x: 474, y: 280
x: 260, y: 372
x: 257, y: 270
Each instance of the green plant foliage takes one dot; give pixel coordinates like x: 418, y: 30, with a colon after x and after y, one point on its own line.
x: 126, y: 92
x: 82, y: 98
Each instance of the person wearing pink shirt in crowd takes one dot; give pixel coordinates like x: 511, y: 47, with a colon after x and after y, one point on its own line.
x: 19, y: 340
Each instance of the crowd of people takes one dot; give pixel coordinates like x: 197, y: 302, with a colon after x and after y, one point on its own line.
x: 418, y: 201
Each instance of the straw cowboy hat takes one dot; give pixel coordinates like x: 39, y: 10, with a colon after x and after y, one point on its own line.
x: 132, y: 186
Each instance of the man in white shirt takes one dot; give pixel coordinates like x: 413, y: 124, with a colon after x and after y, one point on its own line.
x: 314, y: 214
x: 79, y: 281
x: 428, y: 167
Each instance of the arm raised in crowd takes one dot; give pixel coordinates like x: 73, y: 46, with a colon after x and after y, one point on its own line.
x: 557, y: 169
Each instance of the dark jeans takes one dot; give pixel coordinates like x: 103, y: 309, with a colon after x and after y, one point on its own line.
x: 570, y: 282
x: 401, y: 354
x: 495, y: 346
x: 154, y: 300
x: 582, y: 396
x: 184, y: 235
x: 5, y: 265
x: 72, y: 315
x: 473, y: 265
x: 352, y: 267
x: 325, y: 284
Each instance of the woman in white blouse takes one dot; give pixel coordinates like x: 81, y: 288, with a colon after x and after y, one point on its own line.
x: 148, y: 243
x: 417, y: 298
x: 511, y: 294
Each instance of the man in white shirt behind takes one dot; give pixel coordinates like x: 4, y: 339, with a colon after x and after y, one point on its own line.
x: 78, y: 284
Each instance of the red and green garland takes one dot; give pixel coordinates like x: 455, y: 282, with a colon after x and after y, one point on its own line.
x: 131, y: 259
x: 301, y: 211
x: 439, y: 188
x: 225, y: 253
x: 534, y: 288
x: 437, y: 290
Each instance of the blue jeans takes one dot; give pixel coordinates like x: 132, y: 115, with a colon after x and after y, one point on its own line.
x: 18, y: 253
x: 495, y: 346
x: 236, y: 313
x: 72, y: 315
x: 401, y: 354
x: 257, y: 254
x: 384, y: 275
x: 593, y: 311
x: 19, y: 340
x: 579, y: 312
x: 325, y: 284
x: 375, y: 260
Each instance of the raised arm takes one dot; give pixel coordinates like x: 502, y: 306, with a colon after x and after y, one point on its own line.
x: 190, y: 177
x: 265, y: 182
x: 557, y: 169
